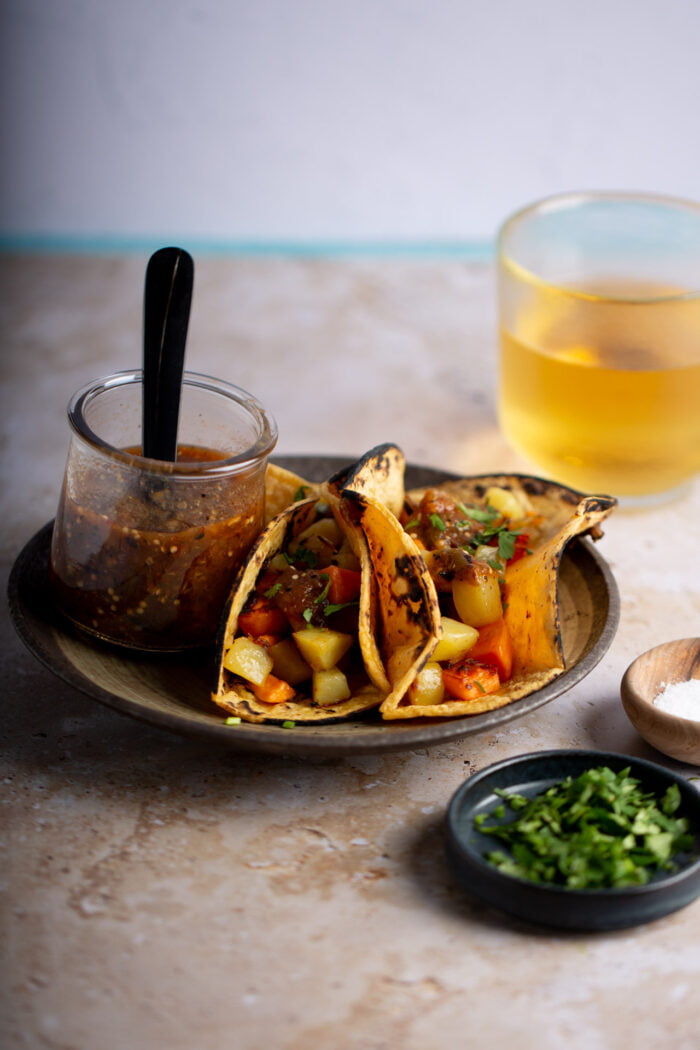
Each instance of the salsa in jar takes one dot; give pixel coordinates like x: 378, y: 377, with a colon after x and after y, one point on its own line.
x: 146, y: 559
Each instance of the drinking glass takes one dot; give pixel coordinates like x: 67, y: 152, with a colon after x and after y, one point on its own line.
x: 599, y: 313
x: 143, y: 551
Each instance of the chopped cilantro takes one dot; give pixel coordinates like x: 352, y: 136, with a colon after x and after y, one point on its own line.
x: 272, y: 591
x: 482, y: 514
x: 305, y: 556
x: 595, y: 831
x: 506, y: 544
x: 437, y: 522
x: 329, y: 609
x: 288, y: 725
x: 232, y: 720
x: 301, y: 493
x: 324, y: 593
x: 505, y: 540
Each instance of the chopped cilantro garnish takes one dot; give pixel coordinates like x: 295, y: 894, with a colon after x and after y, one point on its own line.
x: 482, y: 514
x: 437, y: 522
x: 308, y: 615
x: 505, y: 540
x: 594, y: 831
x: 305, y: 556
x: 272, y: 591
x: 324, y: 593
x: 329, y: 609
x: 301, y: 493
x: 288, y: 725
x: 232, y: 720
x: 506, y: 544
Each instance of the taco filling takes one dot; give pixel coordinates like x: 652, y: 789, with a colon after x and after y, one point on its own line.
x: 438, y: 602
x: 467, y: 549
x: 492, y: 548
x: 297, y: 641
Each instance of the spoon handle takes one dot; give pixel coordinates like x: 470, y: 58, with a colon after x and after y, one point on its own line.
x: 167, y: 300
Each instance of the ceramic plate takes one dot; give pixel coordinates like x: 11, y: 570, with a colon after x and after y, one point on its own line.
x: 555, y: 905
x: 173, y: 692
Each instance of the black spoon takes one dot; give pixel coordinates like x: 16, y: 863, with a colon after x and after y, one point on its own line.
x: 166, y: 314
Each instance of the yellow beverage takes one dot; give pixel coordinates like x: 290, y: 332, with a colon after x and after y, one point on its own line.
x: 600, y: 388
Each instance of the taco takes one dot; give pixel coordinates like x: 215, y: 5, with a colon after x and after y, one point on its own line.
x: 454, y: 607
x: 298, y: 639
x: 492, y: 546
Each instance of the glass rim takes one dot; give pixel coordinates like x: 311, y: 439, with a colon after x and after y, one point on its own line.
x: 265, y: 423
x: 577, y: 198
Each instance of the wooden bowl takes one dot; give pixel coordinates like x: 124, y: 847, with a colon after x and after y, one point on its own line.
x: 644, y: 679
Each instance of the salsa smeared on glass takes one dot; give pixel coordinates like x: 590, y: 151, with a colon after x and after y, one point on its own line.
x: 148, y: 564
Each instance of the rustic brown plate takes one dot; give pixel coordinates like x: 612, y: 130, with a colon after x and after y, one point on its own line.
x: 173, y: 691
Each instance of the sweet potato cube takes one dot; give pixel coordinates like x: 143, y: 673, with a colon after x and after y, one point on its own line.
x: 273, y: 690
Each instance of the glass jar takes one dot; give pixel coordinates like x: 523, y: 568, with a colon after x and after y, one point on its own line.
x: 144, y: 552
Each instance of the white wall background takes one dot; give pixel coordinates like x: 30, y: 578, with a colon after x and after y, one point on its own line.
x: 347, y: 121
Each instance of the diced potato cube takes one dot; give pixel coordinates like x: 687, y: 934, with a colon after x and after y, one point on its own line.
x: 322, y: 538
x: 346, y: 557
x: 505, y: 502
x: 477, y: 595
x: 321, y: 647
x: 249, y: 660
x: 457, y: 638
x: 330, y: 687
x: 288, y: 663
x: 428, y: 688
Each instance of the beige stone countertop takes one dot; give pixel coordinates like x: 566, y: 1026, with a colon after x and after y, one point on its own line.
x: 158, y: 891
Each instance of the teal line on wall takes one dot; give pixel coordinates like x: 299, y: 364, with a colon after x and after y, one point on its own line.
x: 112, y: 245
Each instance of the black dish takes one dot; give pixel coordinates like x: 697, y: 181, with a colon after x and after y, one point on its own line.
x: 556, y: 906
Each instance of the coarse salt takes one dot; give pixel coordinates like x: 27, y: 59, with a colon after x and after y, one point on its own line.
x: 680, y: 698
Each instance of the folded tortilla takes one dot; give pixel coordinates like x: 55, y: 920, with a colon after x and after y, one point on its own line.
x: 399, y: 623
x: 369, y: 688
x: 531, y: 607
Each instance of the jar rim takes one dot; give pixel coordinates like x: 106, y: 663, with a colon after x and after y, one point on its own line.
x: 266, y: 425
